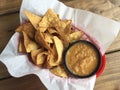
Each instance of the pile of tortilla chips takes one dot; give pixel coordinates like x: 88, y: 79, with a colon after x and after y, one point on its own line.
x: 45, y: 39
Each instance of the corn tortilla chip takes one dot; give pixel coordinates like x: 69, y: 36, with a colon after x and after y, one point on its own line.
x: 34, y: 19
x: 28, y: 29
x: 59, y: 71
x: 34, y: 54
x: 48, y: 38
x: 29, y: 44
x: 75, y: 36
x: 21, y: 47
x: 47, y: 20
x: 39, y: 37
x: 59, y: 48
x: 41, y: 57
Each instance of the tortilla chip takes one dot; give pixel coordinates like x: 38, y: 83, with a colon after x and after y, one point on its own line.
x: 50, y: 61
x: 68, y: 27
x: 34, y: 19
x: 41, y: 57
x: 59, y: 71
x: 60, y: 27
x: 48, y: 38
x: 29, y: 44
x: 21, y: 47
x: 34, y: 54
x: 39, y: 37
x: 51, y: 58
x: 52, y: 30
x: 59, y: 48
x: 47, y: 20
x: 75, y: 36
x: 28, y: 29
x: 19, y: 29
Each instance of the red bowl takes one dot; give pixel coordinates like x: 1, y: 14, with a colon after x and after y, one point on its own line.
x: 100, y: 61
x: 103, y: 61
x: 102, y: 66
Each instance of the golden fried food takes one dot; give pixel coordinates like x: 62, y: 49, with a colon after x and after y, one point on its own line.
x: 21, y: 47
x: 59, y: 71
x: 75, y: 36
x: 28, y: 29
x: 29, y: 44
x: 45, y: 38
x: 34, y: 54
x: 34, y: 19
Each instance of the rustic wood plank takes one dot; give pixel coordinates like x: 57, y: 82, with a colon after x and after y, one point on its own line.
x: 102, y: 7
x: 30, y: 82
x: 110, y: 79
x: 8, y: 6
x: 3, y: 71
x: 8, y: 23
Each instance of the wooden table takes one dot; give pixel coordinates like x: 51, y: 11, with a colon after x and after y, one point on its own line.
x: 9, y: 20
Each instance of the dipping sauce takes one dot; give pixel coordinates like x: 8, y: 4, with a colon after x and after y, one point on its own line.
x: 82, y: 59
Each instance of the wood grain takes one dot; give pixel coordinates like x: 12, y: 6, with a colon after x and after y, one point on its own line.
x: 3, y: 71
x: 30, y: 82
x: 101, y: 7
x: 110, y: 79
x: 8, y: 6
x: 8, y: 24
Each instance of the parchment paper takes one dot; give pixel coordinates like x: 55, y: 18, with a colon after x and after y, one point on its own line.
x: 101, y: 29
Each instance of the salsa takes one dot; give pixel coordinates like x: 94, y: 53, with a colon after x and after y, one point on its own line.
x: 82, y: 59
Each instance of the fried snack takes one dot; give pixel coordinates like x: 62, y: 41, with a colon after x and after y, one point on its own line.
x: 45, y: 38
x: 19, y: 29
x: 59, y: 71
x: 47, y: 20
x: 34, y: 54
x: 41, y: 57
x: 39, y: 37
x: 59, y: 48
x: 50, y: 61
x: 29, y: 44
x: 48, y: 38
x: 75, y: 36
x: 68, y: 27
x: 34, y: 19
x: 55, y: 58
x: 52, y: 31
x: 61, y: 27
x: 21, y: 47
x: 28, y: 29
